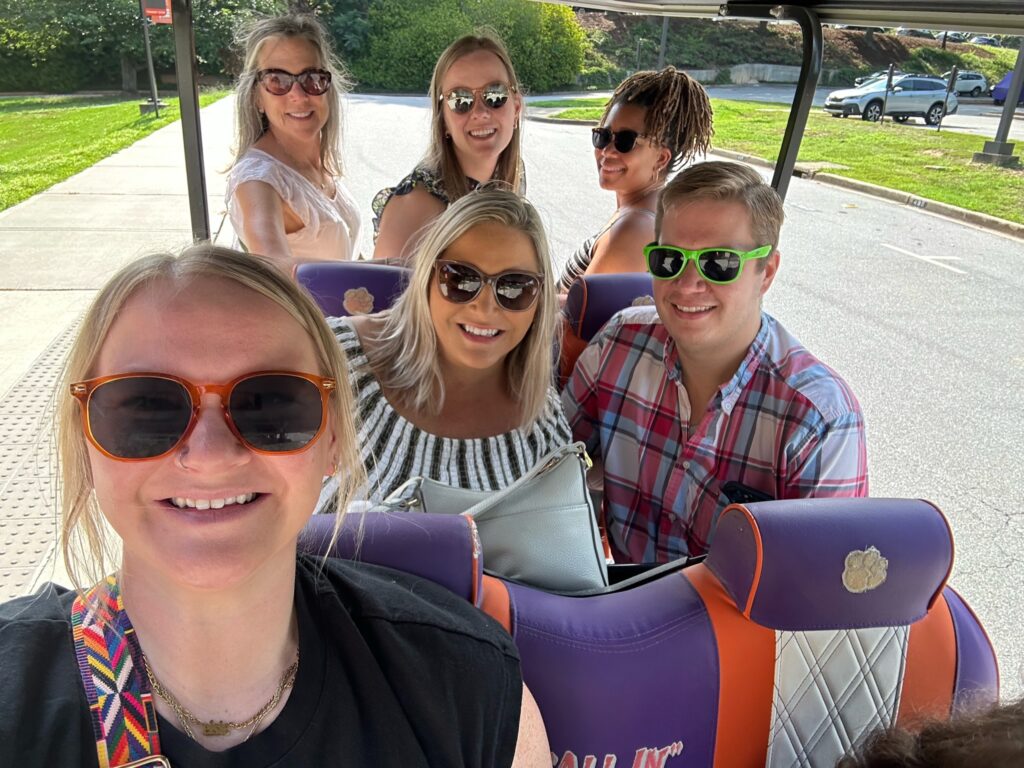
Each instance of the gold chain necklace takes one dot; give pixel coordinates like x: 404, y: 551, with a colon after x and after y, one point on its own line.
x: 221, y: 727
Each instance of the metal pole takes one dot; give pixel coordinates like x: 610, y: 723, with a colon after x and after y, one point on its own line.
x: 149, y: 60
x: 188, y: 100
x: 664, y: 42
x: 885, y: 98
x: 945, y: 100
x: 1016, y: 82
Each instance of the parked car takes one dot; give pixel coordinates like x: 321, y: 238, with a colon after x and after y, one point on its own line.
x: 972, y: 83
x: 952, y: 37
x: 907, y: 32
x: 911, y: 96
x: 1001, y: 91
x: 874, y: 76
x: 985, y: 40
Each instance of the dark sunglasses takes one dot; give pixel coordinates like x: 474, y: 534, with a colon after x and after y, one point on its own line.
x: 461, y: 100
x: 720, y: 266
x: 624, y: 140
x: 315, y: 82
x: 460, y: 283
x: 136, y: 416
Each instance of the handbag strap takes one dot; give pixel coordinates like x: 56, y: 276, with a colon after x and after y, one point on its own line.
x: 114, y: 674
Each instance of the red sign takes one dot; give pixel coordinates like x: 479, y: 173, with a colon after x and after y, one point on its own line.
x: 158, y: 11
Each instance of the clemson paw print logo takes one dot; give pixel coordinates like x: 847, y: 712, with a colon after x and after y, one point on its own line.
x: 865, y: 570
x: 643, y: 301
x: 358, y: 301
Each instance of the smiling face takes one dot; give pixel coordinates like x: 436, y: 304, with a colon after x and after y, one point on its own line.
x: 640, y: 168
x: 208, y: 331
x: 296, y: 115
x: 481, y: 134
x: 479, y: 335
x: 708, y: 321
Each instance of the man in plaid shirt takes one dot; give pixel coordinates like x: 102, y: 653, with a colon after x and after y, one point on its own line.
x: 705, y: 395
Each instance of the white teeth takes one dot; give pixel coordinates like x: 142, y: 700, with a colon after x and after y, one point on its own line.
x: 301, y: 114
x: 202, y: 504
x: 482, y: 133
x: 692, y: 310
x: 476, y: 331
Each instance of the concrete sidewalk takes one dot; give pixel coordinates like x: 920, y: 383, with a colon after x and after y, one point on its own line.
x: 56, y: 249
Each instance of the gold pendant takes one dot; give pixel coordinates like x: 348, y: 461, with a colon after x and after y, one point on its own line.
x: 216, y: 728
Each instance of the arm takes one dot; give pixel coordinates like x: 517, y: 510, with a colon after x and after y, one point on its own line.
x: 262, y: 214
x: 532, y: 748
x: 580, y: 401
x: 401, y: 221
x: 831, y: 462
x: 621, y: 248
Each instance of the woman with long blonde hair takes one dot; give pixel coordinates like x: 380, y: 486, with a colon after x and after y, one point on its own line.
x: 454, y: 382
x: 204, y: 401
x: 284, y: 193
x: 476, y: 108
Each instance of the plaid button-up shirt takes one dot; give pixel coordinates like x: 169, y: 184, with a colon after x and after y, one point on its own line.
x: 785, y: 425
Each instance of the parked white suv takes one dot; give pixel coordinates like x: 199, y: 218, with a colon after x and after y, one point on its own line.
x: 972, y: 83
x: 911, y: 96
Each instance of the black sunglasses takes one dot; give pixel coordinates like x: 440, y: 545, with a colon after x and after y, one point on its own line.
x: 623, y: 140
x: 135, y: 416
x: 315, y: 82
x: 461, y: 100
x: 460, y: 283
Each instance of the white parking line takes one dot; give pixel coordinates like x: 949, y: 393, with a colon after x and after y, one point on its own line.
x: 934, y: 260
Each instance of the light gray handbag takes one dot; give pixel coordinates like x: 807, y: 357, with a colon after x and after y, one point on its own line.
x: 541, y: 530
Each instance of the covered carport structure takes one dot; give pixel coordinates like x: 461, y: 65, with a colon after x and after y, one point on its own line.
x: 1002, y: 16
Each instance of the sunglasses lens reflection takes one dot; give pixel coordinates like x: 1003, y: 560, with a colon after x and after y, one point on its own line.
x: 459, y: 284
x: 276, y: 412
x: 139, y: 418
x: 624, y: 140
x: 720, y: 266
x: 513, y: 291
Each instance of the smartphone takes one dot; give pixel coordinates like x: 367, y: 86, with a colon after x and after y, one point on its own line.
x: 738, y: 493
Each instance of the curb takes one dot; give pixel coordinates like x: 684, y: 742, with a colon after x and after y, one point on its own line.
x: 982, y: 220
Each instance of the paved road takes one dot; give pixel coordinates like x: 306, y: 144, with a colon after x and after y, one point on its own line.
x: 923, y: 316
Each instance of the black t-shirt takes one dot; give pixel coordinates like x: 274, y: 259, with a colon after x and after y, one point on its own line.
x: 394, y: 671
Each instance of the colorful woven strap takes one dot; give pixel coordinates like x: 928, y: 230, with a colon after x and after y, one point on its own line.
x: 114, y: 674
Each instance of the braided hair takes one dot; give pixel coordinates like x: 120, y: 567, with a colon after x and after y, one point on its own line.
x: 678, y: 114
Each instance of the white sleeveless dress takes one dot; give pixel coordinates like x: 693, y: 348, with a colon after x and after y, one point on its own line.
x: 331, y: 231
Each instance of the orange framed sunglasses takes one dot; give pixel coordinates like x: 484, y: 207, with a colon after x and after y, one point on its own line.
x: 142, y: 416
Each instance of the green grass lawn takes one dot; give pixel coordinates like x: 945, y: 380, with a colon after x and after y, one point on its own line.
x: 933, y: 165
x: 44, y: 140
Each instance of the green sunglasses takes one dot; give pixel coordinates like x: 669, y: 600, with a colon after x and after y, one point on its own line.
x: 720, y: 266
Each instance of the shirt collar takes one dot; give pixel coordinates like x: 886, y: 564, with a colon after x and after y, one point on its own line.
x: 730, y: 391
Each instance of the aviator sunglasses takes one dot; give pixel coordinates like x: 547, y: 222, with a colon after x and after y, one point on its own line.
x: 315, y: 82
x: 460, y: 283
x: 623, y: 140
x: 720, y: 266
x: 461, y: 100
x: 137, y: 416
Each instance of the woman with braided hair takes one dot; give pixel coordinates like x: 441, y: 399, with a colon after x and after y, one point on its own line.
x: 654, y: 123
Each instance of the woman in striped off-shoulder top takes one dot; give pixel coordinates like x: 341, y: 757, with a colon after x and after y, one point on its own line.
x: 454, y: 382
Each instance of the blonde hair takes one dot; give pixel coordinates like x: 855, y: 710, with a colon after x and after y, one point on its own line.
x: 732, y: 182
x: 85, y: 542
x: 440, y: 158
x: 677, y: 112
x: 407, y: 361
x: 250, y: 123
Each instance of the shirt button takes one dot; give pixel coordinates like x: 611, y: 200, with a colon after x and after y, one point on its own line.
x: 686, y: 465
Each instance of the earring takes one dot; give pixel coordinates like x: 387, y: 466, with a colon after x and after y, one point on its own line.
x: 447, y: 136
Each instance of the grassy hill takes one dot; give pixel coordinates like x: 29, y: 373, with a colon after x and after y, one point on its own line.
x: 621, y: 43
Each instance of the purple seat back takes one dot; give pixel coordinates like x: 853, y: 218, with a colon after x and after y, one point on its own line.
x: 593, y: 299
x: 442, y: 548
x: 698, y: 662
x: 344, y: 288
x: 808, y: 564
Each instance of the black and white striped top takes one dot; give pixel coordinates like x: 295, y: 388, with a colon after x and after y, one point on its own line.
x: 394, y: 449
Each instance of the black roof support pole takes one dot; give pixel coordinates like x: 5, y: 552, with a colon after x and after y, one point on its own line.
x: 188, y: 99
x: 810, y: 70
